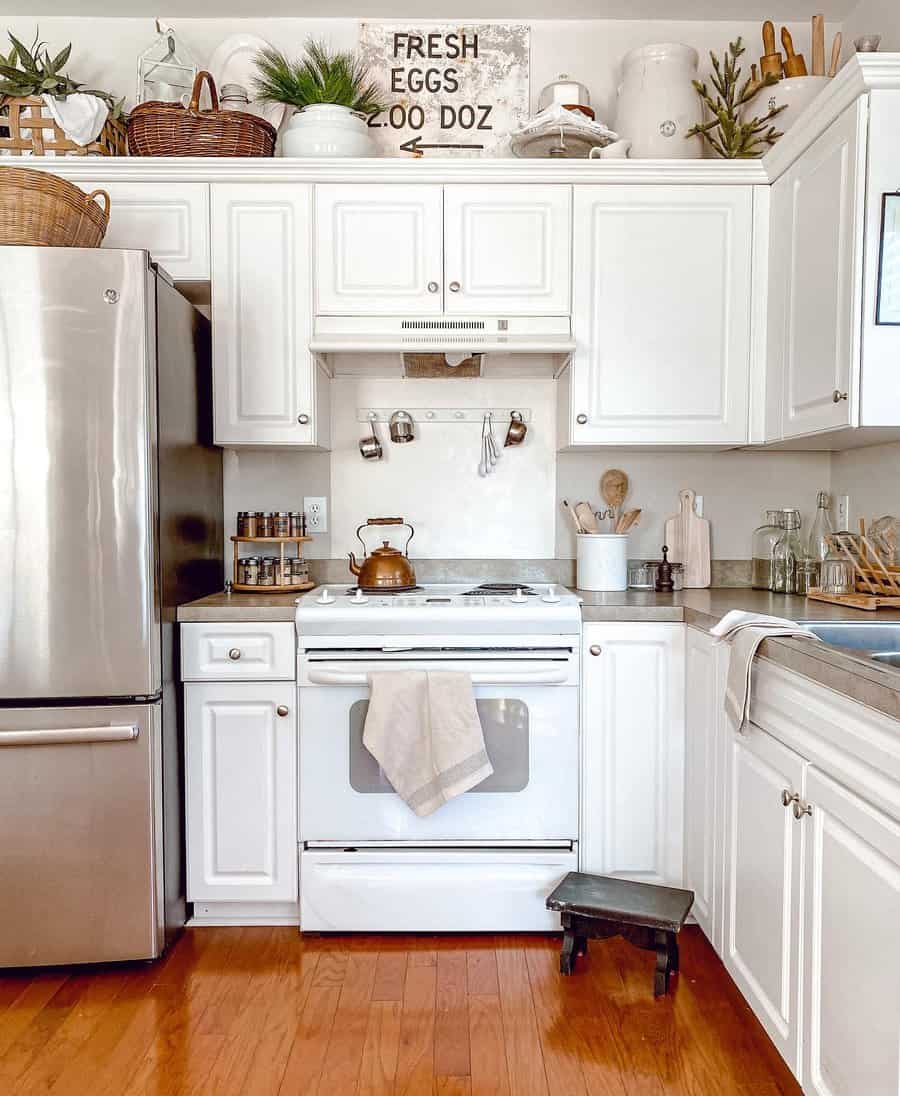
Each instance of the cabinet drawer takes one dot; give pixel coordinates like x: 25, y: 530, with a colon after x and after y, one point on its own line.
x: 237, y: 652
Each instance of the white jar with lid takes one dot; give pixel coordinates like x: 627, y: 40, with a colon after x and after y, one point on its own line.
x: 657, y: 103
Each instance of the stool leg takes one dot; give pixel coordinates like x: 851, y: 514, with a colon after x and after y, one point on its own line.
x: 673, y: 953
x: 661, y: 973
x: 581, y: 946
x: 567, y: 955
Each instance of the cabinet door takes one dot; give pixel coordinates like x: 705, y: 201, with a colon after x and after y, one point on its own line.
x: 851, y: 1030
x: 379, y: 249
x: 632, y: 737
x: 507, y: 249
x: 241, y: 780
x: 763, y: 884
x: 816, y: 256
x: 265, y: 379
x: 170, y: 220
x: 701, y: 778
x: 661, y: 314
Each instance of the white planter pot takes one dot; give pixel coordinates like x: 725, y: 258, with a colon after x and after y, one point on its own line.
x: 657, y: 103
x: 324, y: 129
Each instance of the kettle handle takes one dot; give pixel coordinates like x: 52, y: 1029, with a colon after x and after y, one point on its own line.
x: 386, y: 521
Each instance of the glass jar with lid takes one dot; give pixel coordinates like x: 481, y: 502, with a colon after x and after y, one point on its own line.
x: 788, y: 553
x: 765, y: 537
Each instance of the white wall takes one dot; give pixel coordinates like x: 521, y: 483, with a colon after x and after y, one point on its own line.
x: 873, y: 17
x: 871, y: 477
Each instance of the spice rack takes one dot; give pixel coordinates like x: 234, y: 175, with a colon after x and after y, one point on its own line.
x: 282, y: 542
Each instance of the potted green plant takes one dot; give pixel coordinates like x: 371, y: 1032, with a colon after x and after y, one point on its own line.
x: 331, y: 95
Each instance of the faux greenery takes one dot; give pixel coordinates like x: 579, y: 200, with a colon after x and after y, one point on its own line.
x: 34, y: 72
x: 319, y: 76
x: 730, y: 135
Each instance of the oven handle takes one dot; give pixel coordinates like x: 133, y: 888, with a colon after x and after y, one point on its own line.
x: 536, y: 677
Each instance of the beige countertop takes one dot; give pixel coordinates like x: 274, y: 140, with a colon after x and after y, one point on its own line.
x: 851, y: 674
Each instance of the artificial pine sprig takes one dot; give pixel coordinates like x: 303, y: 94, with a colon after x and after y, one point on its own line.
x: 736, y: 138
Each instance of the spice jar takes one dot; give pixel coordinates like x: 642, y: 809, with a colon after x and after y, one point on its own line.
x: 266, y: 524
x: 281, y: 524
x: 250, y: 571
x: 267, y: 565
x: 247, y: 523
x: 677, y: 576
x: 299, y: 570
x: 297, y: 524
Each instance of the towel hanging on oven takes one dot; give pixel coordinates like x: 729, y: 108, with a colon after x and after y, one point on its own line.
x: 422, y: 728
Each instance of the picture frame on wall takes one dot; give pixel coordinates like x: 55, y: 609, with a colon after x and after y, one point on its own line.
x: 887, y: 301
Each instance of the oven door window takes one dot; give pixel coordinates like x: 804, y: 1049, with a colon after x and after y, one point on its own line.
x: 506, y: 739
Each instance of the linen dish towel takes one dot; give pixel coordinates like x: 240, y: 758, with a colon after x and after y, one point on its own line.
x: 423, y: 730
x: 80, y: 116
x: 745, y: 632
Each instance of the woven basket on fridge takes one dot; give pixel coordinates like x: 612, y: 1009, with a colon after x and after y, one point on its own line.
x: 27, y: 129
x: 40, y: 209
x: 169, y: 129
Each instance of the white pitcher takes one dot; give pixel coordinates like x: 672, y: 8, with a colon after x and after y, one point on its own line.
x: 657, y: 103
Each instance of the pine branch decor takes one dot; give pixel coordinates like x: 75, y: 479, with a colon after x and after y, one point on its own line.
x: 320, y: 76
x: 728, y: 133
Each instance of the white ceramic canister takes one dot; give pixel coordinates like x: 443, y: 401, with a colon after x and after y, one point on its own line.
x: 602, y: 562
x: 657, y: 103
x: 325, y: 129
x: 794, y: 94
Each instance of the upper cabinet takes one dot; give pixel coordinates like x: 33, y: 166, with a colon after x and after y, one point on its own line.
x: 268, y: 388
x: 815, y: 272
x: 405, y: 249
x: 661, y: 315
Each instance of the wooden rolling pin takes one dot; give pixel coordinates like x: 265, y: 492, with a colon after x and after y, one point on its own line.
x: 818, y: 45
x: 770, y: 62
x: 794, y: 65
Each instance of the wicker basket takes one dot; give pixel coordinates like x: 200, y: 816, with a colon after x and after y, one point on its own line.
x: 40, y: 209
x: 169, y: 129
x: 27, y: 129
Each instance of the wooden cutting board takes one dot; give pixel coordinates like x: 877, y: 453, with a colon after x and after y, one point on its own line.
x: 687, y: 536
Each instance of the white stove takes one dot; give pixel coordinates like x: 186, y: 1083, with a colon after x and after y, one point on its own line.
x: 486, y: 860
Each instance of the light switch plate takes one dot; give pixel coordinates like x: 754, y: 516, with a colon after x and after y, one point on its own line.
x: 842, y: 516
x: 316, y: 510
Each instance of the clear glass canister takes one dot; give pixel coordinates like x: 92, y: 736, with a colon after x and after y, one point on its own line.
x: 837, y: 575
x: 788, y: 553
x: 763, y: 551
x: 807, y: 575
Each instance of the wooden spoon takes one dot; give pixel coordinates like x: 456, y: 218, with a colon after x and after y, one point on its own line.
x: 587, y: 519
x: 629, y: 518
x: 614, y: 488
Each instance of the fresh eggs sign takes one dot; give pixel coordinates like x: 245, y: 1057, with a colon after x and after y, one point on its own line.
x: 448, y: 89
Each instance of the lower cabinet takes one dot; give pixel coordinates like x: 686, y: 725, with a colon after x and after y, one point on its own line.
x: 241, y: 791
x: 632, y: 739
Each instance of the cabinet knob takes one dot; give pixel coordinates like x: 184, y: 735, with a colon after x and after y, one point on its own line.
x: 433, y: 287
x: 788, y: 797
x: 595, y: 649
x: 303, y: 419
x: 454, y: 287
x: 581, y: 419
x: 837, y: 395
x: 282, y: 710
x: 800, y: 809
x: 234, y: 654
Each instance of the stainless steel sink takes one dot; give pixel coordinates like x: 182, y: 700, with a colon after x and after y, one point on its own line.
x: 878, y: 640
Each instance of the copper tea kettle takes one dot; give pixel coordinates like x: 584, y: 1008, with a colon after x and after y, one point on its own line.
x: 385, y: 568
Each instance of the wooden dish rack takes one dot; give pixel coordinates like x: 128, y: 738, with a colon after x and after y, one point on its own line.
x: 877, y: 582
x: 282, y: 542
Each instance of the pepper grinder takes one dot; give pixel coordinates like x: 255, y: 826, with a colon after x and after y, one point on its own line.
x: 664, y: 583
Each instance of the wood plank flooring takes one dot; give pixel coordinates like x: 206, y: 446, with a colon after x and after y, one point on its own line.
x: 257, y: 1011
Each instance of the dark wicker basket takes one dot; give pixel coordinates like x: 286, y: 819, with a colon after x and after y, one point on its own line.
x: 169, y: 129
x: 38, y: 208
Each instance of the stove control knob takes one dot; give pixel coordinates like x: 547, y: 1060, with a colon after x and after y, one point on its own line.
x: 595, y: 649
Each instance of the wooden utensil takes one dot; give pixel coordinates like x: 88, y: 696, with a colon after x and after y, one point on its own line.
x: 614, y: 488
x: 570, y: 510
x: 587, y: 519
x: 629, y: 518
x: 835, y: 54
x: 687, y: 536
x: 794, y: 64
x: 770, y: 63
x: 818, y: 45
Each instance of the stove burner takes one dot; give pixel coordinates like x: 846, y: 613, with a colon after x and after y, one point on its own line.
x: 374, y: 591
x: 500, y: 589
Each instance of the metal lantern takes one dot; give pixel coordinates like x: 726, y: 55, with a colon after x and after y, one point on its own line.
x: 166, y: 69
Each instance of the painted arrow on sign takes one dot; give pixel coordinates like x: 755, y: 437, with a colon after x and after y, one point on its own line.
x: 416, y: 144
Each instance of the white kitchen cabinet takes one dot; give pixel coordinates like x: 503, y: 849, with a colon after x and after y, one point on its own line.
x: 632, y: 734
x: 268, y: 388
x: 170, y: 220
x: 661, y: 316
x: 763, y: 899
x: 507, y: 249
x: 815, y: 283
x: 241, y: 792
x: 851, y: 1030
x: 379, y: 249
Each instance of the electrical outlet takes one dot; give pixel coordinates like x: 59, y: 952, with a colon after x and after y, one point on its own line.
x: 843, y: 512
x: 316, y: 510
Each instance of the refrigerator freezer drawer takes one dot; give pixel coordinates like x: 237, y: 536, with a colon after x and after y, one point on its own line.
x: 79, y: 816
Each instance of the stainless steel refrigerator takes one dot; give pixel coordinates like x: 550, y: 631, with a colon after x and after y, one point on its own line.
x: 110, y: 516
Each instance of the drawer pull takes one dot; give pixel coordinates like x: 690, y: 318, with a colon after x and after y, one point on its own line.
x: 234, y: 654
x: 595, y: 649
x: 282, y: 710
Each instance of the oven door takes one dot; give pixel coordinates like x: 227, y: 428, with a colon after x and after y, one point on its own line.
x: 528, y: 706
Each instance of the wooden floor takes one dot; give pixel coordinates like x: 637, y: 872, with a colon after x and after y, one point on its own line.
x: 261, y: 1010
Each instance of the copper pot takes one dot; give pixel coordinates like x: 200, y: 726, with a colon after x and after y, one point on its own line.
x: 385, y: 568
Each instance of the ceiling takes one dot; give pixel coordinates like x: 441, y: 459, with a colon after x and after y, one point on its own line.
x: 499, y: 10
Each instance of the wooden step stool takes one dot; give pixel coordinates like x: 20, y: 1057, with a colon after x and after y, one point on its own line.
x: 596, y: 907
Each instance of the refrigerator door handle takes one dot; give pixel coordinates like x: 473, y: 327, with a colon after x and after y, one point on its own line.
x: 65, y: 736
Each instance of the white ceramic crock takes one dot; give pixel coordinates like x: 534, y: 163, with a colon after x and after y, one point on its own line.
x: 325, y: 129
x: 795, y: 94
x: 657, y: 103
x: 602, y: 562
